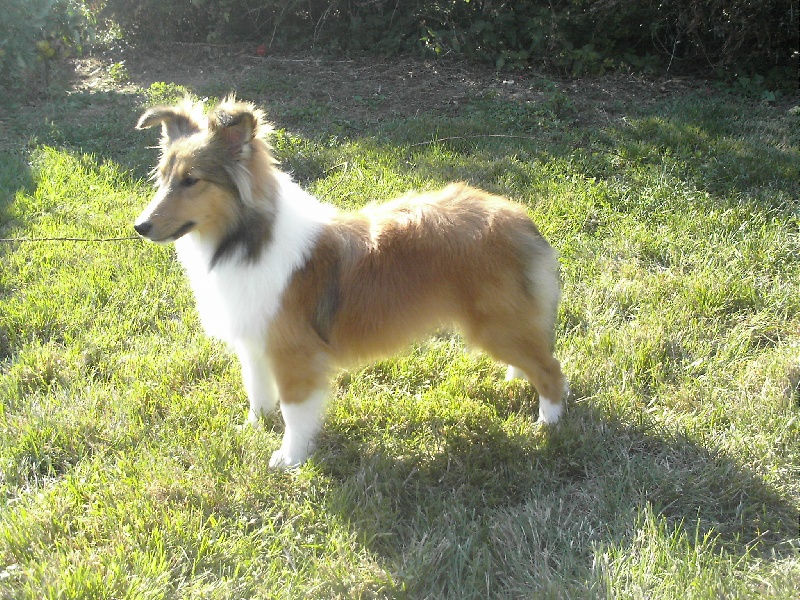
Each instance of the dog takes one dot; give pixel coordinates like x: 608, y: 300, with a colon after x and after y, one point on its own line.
x: 299, y: 288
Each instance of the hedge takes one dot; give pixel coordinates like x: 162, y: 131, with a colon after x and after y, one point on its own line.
x: 727, y: 38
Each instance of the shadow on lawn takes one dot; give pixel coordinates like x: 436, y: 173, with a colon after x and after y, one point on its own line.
x: 692, y: 137
x: 714, y: 155
x: 15, y: 176
x: 562, y: 494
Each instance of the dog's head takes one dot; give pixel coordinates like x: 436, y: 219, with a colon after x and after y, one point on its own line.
x: 212, y: 169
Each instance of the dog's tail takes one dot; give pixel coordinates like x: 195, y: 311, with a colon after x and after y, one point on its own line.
x: 540, y: 262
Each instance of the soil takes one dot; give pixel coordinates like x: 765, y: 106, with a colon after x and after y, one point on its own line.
x: 356, y: 87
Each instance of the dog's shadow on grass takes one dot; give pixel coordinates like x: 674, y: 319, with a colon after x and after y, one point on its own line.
x: 586, y: 482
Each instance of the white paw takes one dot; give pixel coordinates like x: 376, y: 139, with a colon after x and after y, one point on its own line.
x: 280, y: 460
x: 549, y: 411
x: 303, y: 421
x: 253, y: 419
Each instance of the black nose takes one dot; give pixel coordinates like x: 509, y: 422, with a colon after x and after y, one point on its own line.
x: 143, y: 228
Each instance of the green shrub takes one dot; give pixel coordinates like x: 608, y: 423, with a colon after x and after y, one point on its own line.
x: 726, y: 37
x: 732, y: 37
x: 38, y: 32
x: 209, y: 20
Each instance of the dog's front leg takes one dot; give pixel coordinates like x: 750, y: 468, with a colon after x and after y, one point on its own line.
x: 303, y: 422
x: 258, y: 380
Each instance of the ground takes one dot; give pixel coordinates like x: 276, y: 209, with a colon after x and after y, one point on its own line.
x: 366, y: 88
x: 673, y: 205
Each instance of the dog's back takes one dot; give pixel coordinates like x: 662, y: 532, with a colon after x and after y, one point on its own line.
x: 391, y: 273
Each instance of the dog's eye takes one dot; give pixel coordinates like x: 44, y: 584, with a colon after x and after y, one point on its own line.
x: 188, y: 181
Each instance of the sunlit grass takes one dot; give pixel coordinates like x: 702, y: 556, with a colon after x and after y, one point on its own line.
x: 674, y: 475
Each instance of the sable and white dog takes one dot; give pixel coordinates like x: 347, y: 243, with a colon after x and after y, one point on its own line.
x: 299, y: 288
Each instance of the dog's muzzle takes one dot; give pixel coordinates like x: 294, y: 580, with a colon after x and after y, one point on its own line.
x: 143, y: 228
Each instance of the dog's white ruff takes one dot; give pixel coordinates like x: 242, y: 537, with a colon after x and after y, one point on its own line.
x: 238, y: 299
x: 303, y: 422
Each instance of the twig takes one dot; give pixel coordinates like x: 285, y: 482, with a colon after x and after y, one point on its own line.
x: 69, y: 239
x: 470, y: 137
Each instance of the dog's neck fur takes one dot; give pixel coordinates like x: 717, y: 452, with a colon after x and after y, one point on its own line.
x: 238, y: 297
x: 255, y: 188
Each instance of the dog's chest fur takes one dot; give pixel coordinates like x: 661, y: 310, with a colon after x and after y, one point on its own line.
x: 237, y: 299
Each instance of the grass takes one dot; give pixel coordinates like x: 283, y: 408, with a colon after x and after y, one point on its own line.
x: 676, y: 473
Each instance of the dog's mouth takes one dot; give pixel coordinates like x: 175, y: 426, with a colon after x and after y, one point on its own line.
x: 144, y: 231
x: 183, y: 230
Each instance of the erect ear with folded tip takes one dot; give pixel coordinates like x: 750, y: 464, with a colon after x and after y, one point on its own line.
x: 235, y: 129
x: 175, y: 122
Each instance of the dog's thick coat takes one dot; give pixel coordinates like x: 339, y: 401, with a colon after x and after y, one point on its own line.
x: 299, y: 288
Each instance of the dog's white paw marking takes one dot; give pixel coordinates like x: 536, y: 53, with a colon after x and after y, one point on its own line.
x: 550, y: 412
x: 303, y: 421
x: 280, y: 460
x: 253, y: 420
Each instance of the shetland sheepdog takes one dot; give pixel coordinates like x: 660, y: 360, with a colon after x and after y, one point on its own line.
x: 299, y: 288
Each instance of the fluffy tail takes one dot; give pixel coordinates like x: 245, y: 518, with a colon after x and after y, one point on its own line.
x: 544, y: 280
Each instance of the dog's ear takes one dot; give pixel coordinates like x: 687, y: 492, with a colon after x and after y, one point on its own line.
x: 176, y: 122
x: 235, y: 125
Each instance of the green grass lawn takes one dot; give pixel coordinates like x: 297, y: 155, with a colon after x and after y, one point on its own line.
x: 675, y: 473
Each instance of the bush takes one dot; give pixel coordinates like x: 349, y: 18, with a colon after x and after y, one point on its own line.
x: 578, y: 36
x: 209, y: 20
x: 39, y: 32
x: 724, y: 36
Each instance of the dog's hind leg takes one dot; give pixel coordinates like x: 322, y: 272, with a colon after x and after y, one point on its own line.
x: 544, y: 372
x: 513, y: 373
x: 258, y: 380
x: 527, y: 347
x: 547, y: 378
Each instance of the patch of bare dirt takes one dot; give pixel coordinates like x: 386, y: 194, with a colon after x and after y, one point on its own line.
x: 363, y: 87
